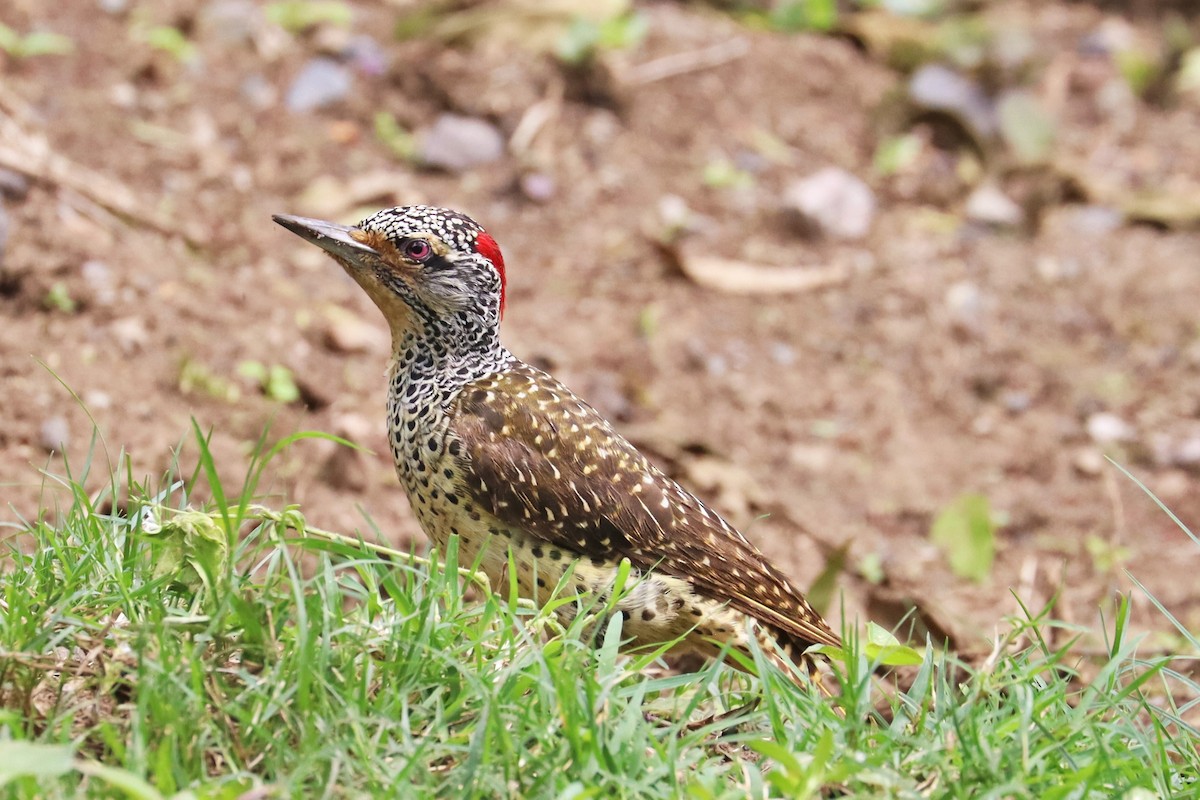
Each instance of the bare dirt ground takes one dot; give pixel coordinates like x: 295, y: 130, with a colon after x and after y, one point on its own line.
x: 953, y: 357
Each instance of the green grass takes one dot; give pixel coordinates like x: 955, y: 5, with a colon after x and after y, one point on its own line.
x: 149, y: 652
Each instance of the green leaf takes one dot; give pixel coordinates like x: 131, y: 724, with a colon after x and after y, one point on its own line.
x: 253, y: 370
x: 724, y: 174
x: 966, y: 534
x: 20, y: 759
x: 880, y: 648
x: 392, y: 135
x: 280, y: 386
x: 276, y: 380
x: 1188, y: 78
x: 585, y: 38
x: 805, y: 15
x: 59, y: 299
x: 44, y: 43
x: 896, y: 154
x: 884, y: 648
x: 1026, y: 127
x: 129, y: 784
x: 37, y: 43
x: 297, y: 16
x: 778, y: 753
x: 191, y: 549
x: 171, y: 40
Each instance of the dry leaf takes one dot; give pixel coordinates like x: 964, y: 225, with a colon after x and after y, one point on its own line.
x: 743, y: 277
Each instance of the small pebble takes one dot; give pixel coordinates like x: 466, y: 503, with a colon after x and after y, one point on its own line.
x: 1187, y: 452
x: 54, y: 435
x: 836, y: 202
x: 367, y: 56
x: 348, y: 333
x: 321, y: 83
x: 1053, y: 270
x: 538, y: 187
x: 98, y: 277
x: 230, y: 21
x: 988, y: 205
x: 1088, y: 461
x: 130, y: 334
x: 1093, y: 220
x: 935, y: 87
x: 965, y: 304
x: 674, y: 213
x: 97, y: 400
x: 456, y: 143
x: 1105, y: 428
x: 1016, y: 402
x: 13, y: 185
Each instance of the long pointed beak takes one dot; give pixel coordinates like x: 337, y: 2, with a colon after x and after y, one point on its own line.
x: 329, y: 236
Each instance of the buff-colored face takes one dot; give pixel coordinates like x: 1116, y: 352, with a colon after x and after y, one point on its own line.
x: 417, y: 263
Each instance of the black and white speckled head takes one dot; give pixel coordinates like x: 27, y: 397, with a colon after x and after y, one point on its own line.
x: 433, y: 263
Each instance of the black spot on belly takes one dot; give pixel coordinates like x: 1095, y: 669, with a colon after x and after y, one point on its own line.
x: 537, y: 552
x: 696, y: 612
x: 647, y: 614
x: 541, y: 582
x: 452, y: 498
x: 556, y: 555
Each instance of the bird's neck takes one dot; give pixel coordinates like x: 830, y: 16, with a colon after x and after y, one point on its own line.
x: 432, y: 361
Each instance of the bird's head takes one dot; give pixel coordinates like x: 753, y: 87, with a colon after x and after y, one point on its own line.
x: 417, y: 263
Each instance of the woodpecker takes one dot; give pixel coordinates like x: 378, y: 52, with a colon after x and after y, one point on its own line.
x: 506, y: 458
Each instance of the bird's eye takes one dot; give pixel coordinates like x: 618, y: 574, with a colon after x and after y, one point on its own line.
x: 418, y: 250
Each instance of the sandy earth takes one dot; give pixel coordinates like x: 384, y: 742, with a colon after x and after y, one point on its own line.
x: 952, y: 357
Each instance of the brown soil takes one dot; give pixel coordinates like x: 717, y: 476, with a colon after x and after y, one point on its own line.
x: 846, y: 416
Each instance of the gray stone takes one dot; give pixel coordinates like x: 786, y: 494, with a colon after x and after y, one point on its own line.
x: 538, y: 187
x: 55, y: 435
x: 321, y: 83
x: 990, y: 206
x: 1107, y: 428
x: 836, y: 202
x: 966, y: 305
x: 230, y: 21
x: 935, y: 87
x: 456, y: 143
x: 13, y: 185
x: 99, y: 279
x: 367, y: 55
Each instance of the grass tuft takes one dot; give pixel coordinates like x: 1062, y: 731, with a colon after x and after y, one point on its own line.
x: 169, y: 646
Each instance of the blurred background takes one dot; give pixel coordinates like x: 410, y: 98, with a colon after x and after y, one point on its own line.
x: 884, y: 281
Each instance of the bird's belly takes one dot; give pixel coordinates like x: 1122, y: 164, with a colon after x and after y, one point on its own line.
x: 655, y: 608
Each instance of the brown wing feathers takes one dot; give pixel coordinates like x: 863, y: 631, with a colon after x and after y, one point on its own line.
x: 542, y: 460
